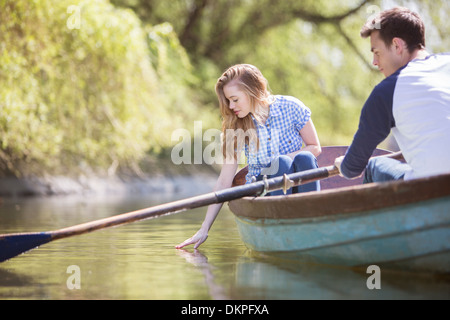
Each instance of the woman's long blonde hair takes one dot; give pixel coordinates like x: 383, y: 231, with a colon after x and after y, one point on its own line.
x: 251, y: 81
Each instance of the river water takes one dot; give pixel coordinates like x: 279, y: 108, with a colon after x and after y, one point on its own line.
x: 138, y: 260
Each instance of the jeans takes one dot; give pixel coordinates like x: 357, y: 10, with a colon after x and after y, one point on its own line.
x: 304, y: 160
x: 385, y: 169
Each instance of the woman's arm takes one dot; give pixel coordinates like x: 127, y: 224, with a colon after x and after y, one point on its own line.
x: 311, y: 140
x: 224, y: 181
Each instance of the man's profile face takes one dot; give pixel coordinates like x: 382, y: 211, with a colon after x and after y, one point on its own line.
x: 385, y: 58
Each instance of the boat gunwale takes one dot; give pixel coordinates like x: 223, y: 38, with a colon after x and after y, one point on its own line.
x: 344, y: 200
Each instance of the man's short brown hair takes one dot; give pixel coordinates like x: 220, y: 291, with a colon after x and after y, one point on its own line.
x: 397, y: 23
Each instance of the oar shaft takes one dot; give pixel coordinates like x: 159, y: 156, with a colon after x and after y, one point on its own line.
x: 152, y: 212
x: 13, y: 244
x: 276, y: 183
x: 253, y: 189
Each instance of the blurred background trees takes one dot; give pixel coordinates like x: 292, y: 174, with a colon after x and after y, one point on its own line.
x: 104, y: 84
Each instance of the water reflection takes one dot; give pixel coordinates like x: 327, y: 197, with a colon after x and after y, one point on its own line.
x: 138, y: 261
x: 200, y: 261
x: 262, y: 277
x: 12, y: 279
x: 291, y: 279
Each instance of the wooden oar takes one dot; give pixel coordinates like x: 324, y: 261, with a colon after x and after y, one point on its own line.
x: 14, y: 244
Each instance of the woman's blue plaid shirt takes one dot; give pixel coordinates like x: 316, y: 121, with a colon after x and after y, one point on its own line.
x: 280, y: 135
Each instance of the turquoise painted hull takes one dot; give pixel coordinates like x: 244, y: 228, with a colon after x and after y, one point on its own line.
x: 401, y: 224
x: 415, y: 236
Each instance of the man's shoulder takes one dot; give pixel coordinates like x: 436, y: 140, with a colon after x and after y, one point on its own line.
x: 442, y: 57
x: 388, y: 84
x: 438, y: 63
x: 385, y: 89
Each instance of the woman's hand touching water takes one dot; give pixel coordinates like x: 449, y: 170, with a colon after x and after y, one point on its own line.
x: 196, y: 239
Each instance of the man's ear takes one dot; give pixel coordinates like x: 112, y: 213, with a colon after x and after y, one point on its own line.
x: 399, y: 45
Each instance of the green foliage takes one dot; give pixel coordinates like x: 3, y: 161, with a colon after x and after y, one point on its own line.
x: 311, y: 63
x: 180, y: 84
x: 310, y: 49
x: 90, y: 83
x: 79, y: 86
x: 73, y: 95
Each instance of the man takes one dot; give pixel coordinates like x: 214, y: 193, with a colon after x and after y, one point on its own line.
x: 413, y: 100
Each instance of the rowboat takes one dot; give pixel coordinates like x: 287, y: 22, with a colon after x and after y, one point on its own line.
x: 400, y: 224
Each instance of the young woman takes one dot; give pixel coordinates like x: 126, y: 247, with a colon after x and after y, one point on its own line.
x: 271, y: 129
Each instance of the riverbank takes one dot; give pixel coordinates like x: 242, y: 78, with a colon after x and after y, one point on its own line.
x: 106, y: 186
x: 155, y: 181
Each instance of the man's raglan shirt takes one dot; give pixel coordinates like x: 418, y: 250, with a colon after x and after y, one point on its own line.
x: 415, y: 103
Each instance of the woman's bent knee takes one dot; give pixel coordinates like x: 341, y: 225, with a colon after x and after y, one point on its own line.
x: 305, y: 160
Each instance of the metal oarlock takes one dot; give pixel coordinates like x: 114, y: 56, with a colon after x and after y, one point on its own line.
x: 287, y: 183
x: 266, y: 186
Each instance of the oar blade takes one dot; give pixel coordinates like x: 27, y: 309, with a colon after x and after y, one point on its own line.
x: 12, y: 245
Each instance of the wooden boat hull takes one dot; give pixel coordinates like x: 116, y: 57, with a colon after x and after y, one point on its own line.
x: 403, y: 224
